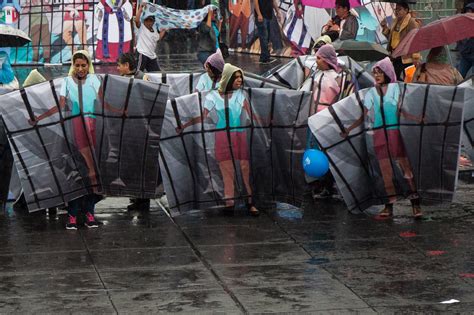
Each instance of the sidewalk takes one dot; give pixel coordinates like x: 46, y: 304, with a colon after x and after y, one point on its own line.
x: 317, y: 260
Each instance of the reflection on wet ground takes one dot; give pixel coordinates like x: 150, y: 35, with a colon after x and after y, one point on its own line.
x: 316, y: 259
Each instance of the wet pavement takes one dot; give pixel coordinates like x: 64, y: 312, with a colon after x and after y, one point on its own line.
x: 318, y: 259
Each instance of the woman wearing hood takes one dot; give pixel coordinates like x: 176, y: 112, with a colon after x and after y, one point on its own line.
x: 214, y: 66
x: 381, y: 115
x: 80, y: 91
x: 230, y: 104
x: 326, y: 91
x: 437, y: 69
x: 8, y: 80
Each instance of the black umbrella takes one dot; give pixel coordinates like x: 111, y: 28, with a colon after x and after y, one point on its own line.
x: 360, y: 51
x: 12, y: 37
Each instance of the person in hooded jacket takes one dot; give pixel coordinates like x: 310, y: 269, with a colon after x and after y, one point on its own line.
x: 382, y: 109
x: 214, y: 66
x: 231, y: 105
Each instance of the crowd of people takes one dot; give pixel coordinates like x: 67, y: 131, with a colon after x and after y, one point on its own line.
x: 224, y: 84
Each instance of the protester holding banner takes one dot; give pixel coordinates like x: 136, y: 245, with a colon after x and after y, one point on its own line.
x: 264, y: 13
x: 381, y: 114
x: 209, y: 31
x: 127, y: 67
x: 231, y: 148
x: 326, y: 91
x: 81, y: 91
x: 210, y: 80
x: 396, y: 32
x: 147, y: 41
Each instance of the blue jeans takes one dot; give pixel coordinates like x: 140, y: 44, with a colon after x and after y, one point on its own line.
x: 465, y: 64
x: 263, y: 31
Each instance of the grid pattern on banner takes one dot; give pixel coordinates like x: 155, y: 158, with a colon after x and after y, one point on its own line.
x: 185, y: 83
x: 6, y: 163
x: 53, y: 168
x: 430, y: 134
x: 468, y: 127
x: 276, y: 137
x: 292, y: 74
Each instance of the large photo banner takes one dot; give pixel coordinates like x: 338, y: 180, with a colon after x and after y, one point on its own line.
x: 394, y: 153
x: 67, y: 144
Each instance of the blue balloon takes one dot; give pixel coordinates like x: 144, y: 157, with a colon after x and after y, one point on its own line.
x: 315, y: 163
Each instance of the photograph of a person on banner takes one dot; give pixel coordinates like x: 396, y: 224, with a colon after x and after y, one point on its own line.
x: 381, y: 115
x: 79, y: 91
x: 39, y: 27
x: 75, y: 21
x: 231, y: 147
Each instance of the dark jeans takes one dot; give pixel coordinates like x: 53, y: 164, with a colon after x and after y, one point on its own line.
x: 263, y: 31
x: 465, y: 64
x: 148, y: 64
x: 85, y: 203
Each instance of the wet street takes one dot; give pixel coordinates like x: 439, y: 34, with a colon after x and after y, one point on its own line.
x: 319, y: 259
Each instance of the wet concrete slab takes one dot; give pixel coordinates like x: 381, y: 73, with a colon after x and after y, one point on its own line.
x: 296, y: 299
x: 152, y: 280
x: 58, y: 304
x: 187, y: 302
x: 60, y: 261
x: 143, y: 258
x: 237, y: 235
x: 272, y: 275
x: 50, y: 283
x: 254, y: 254
x: 151, y: 238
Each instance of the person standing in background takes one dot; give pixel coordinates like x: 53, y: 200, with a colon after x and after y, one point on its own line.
x: 264, y: 13
x: 466, y: 48
x: 395, y: 33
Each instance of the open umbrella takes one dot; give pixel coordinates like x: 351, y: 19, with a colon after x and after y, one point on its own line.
x: 329, y: 4
x: 12, y: 37
x: 438, y: 33
x: 360, y: 51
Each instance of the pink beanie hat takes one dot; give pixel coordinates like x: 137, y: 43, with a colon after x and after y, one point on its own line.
x: 216, y: 60
x: 328, y: 54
